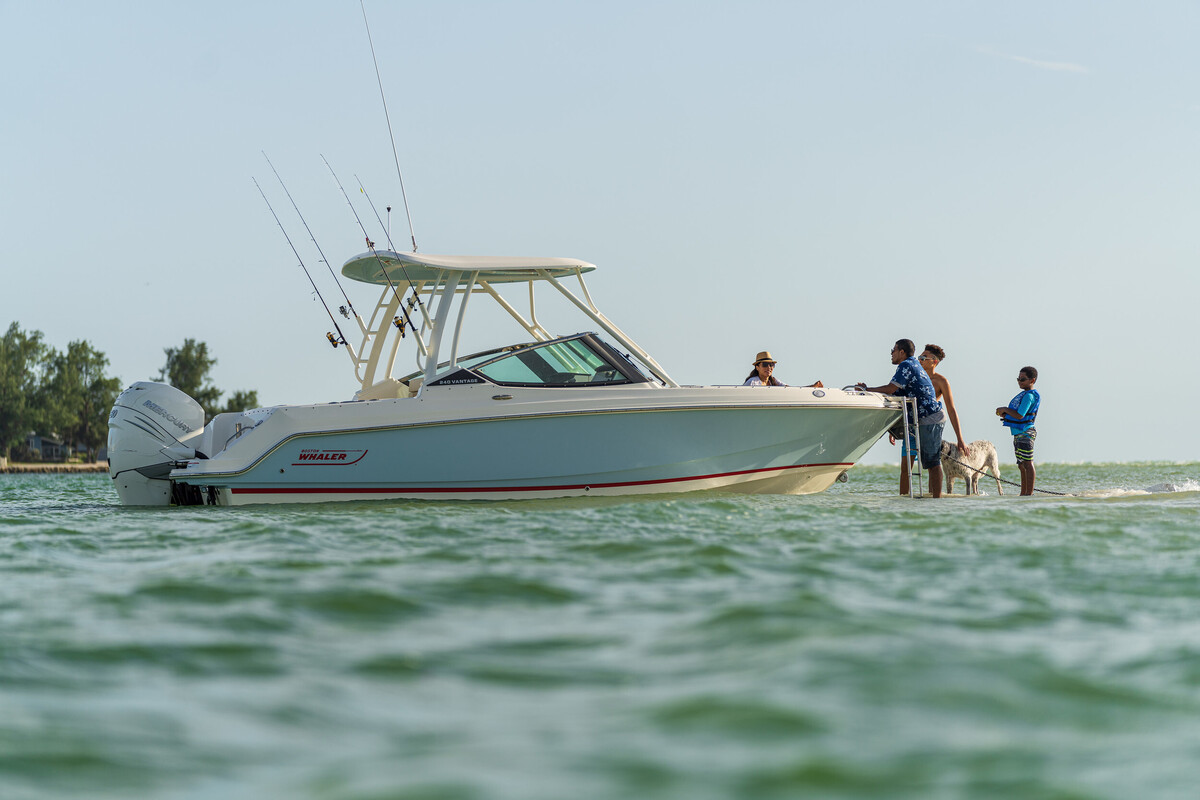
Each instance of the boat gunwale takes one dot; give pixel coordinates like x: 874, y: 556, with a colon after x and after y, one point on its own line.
x: 181, y: 474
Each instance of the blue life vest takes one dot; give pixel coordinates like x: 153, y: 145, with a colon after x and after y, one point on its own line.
x: 1027, y: 420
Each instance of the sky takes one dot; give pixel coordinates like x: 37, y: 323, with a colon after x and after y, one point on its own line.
x: 1018, y: 183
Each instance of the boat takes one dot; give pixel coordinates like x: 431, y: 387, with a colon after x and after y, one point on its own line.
x: 544, y: 414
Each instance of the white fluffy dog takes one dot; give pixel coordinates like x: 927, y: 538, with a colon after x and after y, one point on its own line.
x: 983, y: 456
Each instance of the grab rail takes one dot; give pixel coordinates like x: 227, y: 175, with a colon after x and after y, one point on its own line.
x: 914, y: 471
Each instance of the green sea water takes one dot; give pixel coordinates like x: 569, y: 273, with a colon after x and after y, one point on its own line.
x: 851, y: 644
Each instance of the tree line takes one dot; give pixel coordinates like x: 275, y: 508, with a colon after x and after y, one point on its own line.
x: 68, y: 394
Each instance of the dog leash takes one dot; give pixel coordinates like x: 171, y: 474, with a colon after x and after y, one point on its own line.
x: 981, y: 473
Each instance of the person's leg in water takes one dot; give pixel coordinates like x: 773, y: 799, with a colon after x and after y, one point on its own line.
x: 931, y: 456
x: 1028, y: 477
x: 935, y: 480
x: 1023, y: 445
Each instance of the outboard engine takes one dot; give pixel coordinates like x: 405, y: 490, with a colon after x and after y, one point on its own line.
x: 152, y: 426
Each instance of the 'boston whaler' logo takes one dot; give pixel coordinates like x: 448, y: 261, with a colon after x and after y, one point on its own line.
x: 329, y: 458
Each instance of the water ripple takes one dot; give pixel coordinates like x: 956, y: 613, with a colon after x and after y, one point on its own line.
x: 847, y: 645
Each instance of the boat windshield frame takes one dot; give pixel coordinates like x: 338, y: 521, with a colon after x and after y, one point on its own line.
x: 607, y: 367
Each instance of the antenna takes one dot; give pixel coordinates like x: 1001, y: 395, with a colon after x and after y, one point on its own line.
x: 391, y: 135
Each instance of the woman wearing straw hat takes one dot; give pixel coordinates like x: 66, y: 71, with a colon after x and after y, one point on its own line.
x: 762, y: 374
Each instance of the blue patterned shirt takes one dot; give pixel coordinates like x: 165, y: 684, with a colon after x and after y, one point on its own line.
x: 913, y: 381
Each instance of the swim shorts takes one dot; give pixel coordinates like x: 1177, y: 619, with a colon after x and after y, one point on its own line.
x: 931, y: 444
x: 1023, y: 444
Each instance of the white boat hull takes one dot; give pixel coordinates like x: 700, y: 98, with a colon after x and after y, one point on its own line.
x: 538, y: 443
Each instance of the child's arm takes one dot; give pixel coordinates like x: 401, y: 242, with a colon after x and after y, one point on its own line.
x: 1005, y: 411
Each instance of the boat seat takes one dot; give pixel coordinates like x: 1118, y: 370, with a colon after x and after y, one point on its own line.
x: 222, y: 430
x: 386, y: 389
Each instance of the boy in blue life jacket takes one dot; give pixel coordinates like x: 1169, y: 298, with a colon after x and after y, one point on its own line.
x: 1018, y: 416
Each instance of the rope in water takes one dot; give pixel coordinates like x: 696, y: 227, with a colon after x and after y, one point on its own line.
x: 981, y: 473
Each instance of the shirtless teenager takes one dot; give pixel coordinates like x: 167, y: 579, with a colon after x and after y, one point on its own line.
x: 930, y: 358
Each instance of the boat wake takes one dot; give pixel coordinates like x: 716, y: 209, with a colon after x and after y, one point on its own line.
x: 1169, y: 487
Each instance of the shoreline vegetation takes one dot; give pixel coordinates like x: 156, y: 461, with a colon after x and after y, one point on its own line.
x: 56, y: 404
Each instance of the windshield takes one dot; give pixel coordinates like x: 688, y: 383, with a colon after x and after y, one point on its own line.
x: 582, y: 359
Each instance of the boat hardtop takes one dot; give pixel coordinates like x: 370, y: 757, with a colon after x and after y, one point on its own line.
x: 384, y: 266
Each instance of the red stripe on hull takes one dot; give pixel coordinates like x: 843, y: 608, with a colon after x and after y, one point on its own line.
x: 557, y: 488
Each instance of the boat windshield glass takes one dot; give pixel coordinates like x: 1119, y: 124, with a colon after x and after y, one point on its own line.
x: 574, y: 361
x: 471, y: 360
x: 577, y: 360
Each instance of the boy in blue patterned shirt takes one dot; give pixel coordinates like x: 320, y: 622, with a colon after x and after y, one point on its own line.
x: 911, y: 380
x: 1018, y: 416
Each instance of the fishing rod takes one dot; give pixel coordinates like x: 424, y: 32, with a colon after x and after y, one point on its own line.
x: 391, y: 136
x: 371, y: 246
x: 329, y: 335
x: 314, y: 241
x: 387, y: 233
x: 353, y: 211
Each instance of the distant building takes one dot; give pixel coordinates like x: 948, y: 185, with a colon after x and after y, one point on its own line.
x: 48, y: 448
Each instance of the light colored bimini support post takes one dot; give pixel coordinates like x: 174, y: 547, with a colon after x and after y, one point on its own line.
x: 609, y: 327
x: 462, y: 312
x: 445, y: 297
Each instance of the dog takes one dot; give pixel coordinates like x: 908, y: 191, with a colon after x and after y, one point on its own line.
x: 955, y: 465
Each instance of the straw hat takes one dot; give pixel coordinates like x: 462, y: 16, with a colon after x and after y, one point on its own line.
x: 765, y: 355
